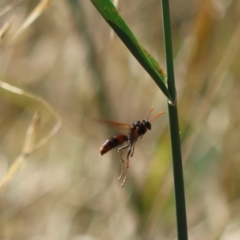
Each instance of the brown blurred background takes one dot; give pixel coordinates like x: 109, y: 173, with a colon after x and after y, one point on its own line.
x: 70, y: 58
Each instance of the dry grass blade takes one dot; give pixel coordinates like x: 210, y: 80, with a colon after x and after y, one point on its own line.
x: 37, y: 11
x: 11, y: 171
x: 30, y: 143
x: 42, y: 103
x: 9, y: 7
x: 32, y: 132
x: 4, y: 29
x: 26, y: 151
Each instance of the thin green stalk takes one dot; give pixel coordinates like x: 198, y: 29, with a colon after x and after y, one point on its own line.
x: 174, y: 129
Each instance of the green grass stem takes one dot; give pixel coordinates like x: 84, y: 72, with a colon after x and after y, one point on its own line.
x: 174, y: 129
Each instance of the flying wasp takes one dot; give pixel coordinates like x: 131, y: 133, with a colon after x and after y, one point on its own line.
x: 136, y: 130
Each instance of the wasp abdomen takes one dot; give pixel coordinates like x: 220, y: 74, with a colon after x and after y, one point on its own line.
x: 112, y: 143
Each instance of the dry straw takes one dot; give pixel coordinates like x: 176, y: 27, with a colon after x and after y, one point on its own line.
x: 30, y: 144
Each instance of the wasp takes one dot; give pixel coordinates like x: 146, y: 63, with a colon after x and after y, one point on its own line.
x: 136, y: 130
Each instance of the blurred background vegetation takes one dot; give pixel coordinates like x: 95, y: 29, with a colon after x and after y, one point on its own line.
x: 69, y: 58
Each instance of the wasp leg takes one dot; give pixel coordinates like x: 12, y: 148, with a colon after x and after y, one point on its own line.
x: 121, y: 159
x: 127, y: 164
x: 133, y: 148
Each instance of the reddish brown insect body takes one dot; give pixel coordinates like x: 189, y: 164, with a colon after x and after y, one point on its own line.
x: 112, y: 143
x: 136, y: 130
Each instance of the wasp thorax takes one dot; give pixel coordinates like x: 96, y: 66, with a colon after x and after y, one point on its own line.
x: 136, y: 124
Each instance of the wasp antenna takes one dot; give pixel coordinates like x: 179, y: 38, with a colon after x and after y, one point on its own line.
x: 149, y: 112
x: 158, y: 115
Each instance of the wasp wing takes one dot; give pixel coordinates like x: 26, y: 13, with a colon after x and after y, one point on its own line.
x: 114, y: 124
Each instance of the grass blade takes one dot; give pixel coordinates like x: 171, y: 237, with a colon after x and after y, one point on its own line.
x: 114, y: 19
x: 174, y: 130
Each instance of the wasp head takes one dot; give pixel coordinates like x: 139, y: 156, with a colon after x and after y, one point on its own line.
x: 147, y: 124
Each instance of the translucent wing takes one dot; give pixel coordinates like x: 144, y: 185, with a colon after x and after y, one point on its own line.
x: 114, y: 124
